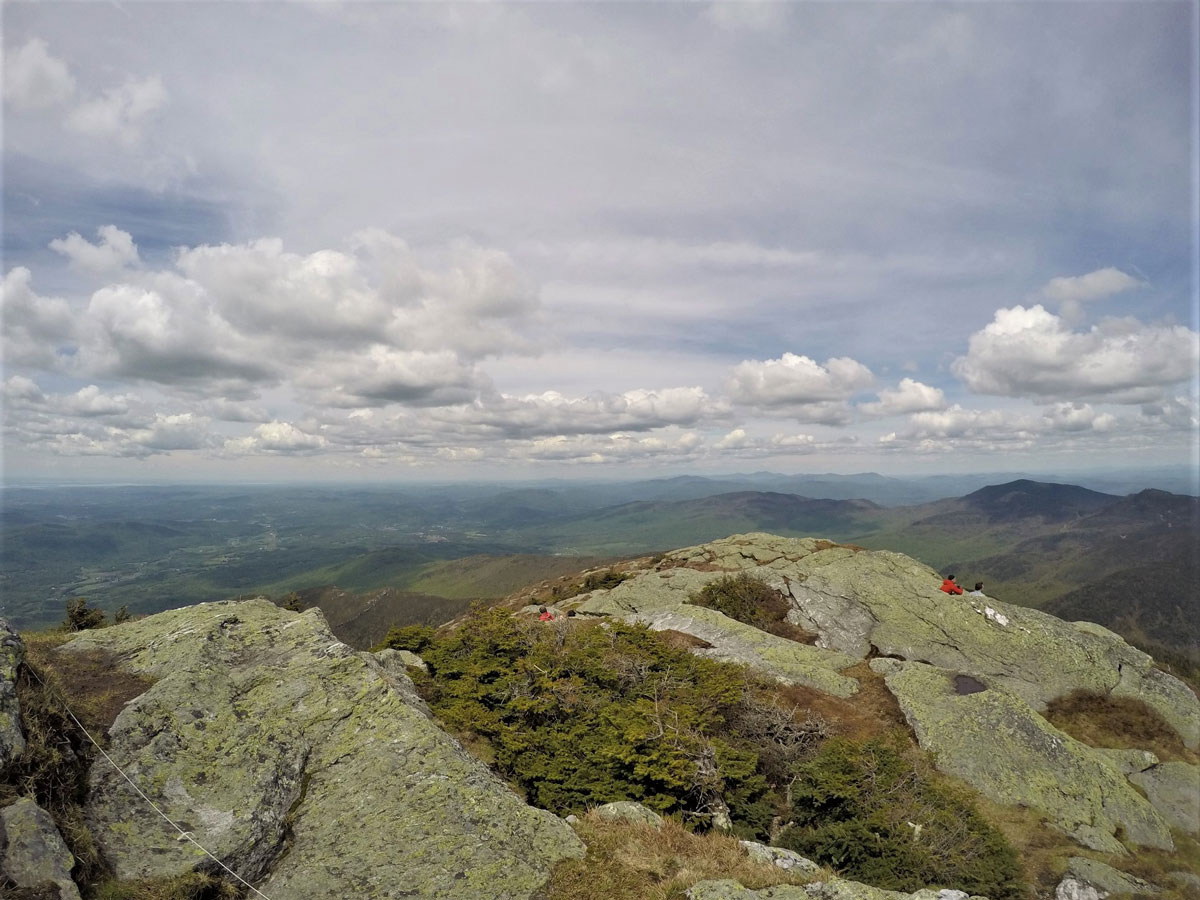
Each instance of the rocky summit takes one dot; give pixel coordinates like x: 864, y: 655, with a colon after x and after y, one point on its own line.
x: 303, y: 766
x: 316, y: 771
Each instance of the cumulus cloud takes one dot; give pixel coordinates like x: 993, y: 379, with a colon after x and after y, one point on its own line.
x: 1072, y: 292
x: 119, y: 112
x: 799, y: 386
x: 166, y: 337
x: 277, y: 437
x: 385, y: 375
x: 738, y: 443
x: 1076, y: 417
x: 1092, y: 286
x: 908, y: 397
x: 1034, y: 353
x: 34, y: 327
x: 33, y: 79
x: 115, y: 250
x: 183, y: 431
x: 552, y: 413
x: 618, y: 447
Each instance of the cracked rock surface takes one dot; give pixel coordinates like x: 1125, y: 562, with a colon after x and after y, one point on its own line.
x: 996, y: 743
x: 303, y: 765
x: 856, y: 600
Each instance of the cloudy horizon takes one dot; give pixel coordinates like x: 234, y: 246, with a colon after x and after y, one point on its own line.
x: 383, y: 241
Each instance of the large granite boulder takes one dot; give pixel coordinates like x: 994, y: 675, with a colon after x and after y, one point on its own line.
x: 862, y: 602
x: 303, y: 766
x: 12, y: 652
x: 985, y: 734
x: 1174, y: 790
x: 32, y: 852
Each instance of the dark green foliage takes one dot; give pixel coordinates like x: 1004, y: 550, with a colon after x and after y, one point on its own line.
x: 80, y: 617
x: 604, y: 580
x: 122, y: 615
x: 751, y: 600
x: 407, y: 637
x: 580, y: 714
x: 877, y: 812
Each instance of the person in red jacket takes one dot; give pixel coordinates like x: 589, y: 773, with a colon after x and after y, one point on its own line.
x: 546, y: 616
x: 949, y: 586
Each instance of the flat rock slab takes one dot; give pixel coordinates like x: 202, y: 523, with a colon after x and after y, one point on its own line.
x: 994, y: 741
x: 859, y: 600
x: 300, y: 764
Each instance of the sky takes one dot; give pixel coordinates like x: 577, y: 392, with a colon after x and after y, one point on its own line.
x: 326, y: 241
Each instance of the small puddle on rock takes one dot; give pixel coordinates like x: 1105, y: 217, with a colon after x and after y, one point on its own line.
x: 965, y: 684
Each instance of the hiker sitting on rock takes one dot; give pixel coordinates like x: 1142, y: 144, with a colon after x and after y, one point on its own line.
x: 978, y: 592
x: 949, y: 586
x: 544, y: 615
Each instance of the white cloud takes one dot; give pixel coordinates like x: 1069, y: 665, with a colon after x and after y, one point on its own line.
x: 619, y: 447
x: 909, y: 397
x: 170, y: 337
x: 1092, y: 286
x: 33, y: 79
x: 799, y: 386
x: 119, y: 112
x: 1076, y: 417
x: 34, y: 327
x: 277, y: 437
x: 384, y: 375
x: 183, y: 431
x: 551, y: 413
x: 115, y: 250
x: 1033, y: 353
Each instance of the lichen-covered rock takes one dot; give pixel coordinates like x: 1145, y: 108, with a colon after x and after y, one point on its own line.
x: 659, y: 600
x: 393, y: 665
x: 12, y: 652
x: 833, y: 889
x: 1107, y: 879
x: 1174, y: 790
x: 297, y: 760
x: 855, y: 600
x: 779, y: 857
x: 32, y: 852
x: 1128, y: 762
x: 629, y: 811
x: 995, y: 742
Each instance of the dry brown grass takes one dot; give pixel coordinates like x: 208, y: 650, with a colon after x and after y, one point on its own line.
x: 1117, y: 722
x: 681, y: 640
x: 627, y: 861
x: 872, y: 712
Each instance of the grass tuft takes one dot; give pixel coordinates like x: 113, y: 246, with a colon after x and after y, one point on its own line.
x: 634, y: 861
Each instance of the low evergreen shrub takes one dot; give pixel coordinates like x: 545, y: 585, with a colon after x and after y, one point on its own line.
x: 586, y: 713
x: 877, y: 812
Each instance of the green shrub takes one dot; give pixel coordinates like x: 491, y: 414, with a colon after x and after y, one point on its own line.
x: 589, y: 713
x: 81, y: 617
x: 751, y: 600
x: 877, y: 812
x: 407, y: 637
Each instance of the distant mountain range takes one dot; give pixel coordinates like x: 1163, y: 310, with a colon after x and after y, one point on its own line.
x: 1126, y: 561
